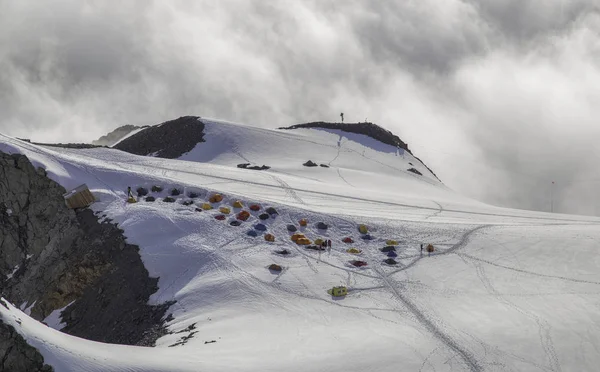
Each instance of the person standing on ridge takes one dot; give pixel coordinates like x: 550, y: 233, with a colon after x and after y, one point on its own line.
x: 342, y: 116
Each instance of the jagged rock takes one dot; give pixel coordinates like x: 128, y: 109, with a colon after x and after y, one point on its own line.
x: 310, y: 163
x: 324, y: 165
x: 18, y: 356
x: 64, y: 256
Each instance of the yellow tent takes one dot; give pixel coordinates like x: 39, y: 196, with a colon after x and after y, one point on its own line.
x: 363, y: 229
x: 237, y: 204
x: 319, y: 241
x: 270, y: 237
x: 303, y: 241
x: 391, y: 242
x: 303, y: 222
x: 224, y: 210
x: 216, y: 198
x: 207, y: 206
x: 353, y: 250
x: 295, y: 237
x: 338, y: 291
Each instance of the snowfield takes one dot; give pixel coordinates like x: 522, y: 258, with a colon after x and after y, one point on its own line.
x: 504, y: 290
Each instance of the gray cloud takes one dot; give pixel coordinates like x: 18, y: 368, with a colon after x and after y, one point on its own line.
x: 499, y: 96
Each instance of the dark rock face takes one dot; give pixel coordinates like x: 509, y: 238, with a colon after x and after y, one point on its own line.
x: 55, y: 256
x: 16, y: 355
x: 170, y: 139
x: 112, y: 137
x: 415, y: 171
x: 253, y: 167
x: 310, y: 163
x: 368, y: 129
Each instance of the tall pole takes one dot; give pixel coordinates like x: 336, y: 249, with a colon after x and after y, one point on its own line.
x: 552, y: 198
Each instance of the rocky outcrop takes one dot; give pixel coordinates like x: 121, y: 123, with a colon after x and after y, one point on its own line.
x: 16, y: 355
x: 51, y: 257
x: 114, y: 136
x: 170, y: 139
x: 368, y: 129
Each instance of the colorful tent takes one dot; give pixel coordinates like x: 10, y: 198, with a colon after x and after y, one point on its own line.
x: 220, y: 217
x: 303, y: 241
x: 243, y: 215
x: 270, y: 237
x: 388, y: 248
x: 264, y: 216
x: 295, y: 237
x: 391, y: 242
x: 319, y: 241
x: 255, y: 207
x: 366, y: 237
x: 363, y: 229
x: 338, y: 291
x: 271, y: 211
x: 292, y: 228
x: 252, y: 233
x: 353, y: 250
x: 359, y: 263
x: 207, y: 206
x: 216, y: 198
x: 237, y: 204
x: 224, y: 210
x: 260, y: 227
x: 348, y: 240
x: 390, y: 261
x: 235, y: 223
x: 275, y: 267
x: 303, y: 222
x: 322, y: 226
x: 392, y: 254
x: 430, y: 248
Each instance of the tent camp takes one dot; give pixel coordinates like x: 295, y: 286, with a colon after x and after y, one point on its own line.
x: 270, y: 237
x: 363, y: 229
x: 224, y: 210
x: 255, y: 207
x: 207, y: 206
x: 391, y: 242
x: 348, y: 240
x: 303, y: 222
x: 353, y: 250
x: 237, y: 204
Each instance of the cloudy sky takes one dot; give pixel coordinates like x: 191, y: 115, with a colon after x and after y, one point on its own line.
x: 499, y: 97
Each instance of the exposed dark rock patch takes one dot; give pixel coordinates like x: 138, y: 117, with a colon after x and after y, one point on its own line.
x: 325, y: 165
x: 65, y: 256
x: 114, y: 136
x: 16, y: 355
x: 170, y: 139
x: 415, y: 171
x: 310, y: 163
x: 253, y: 167
x: 368, y: 129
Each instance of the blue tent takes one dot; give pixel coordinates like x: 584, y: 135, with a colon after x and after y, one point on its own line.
x: 366, y: 237
x: 392, y: 254
x: 260, y: 227
x: 252, y: 233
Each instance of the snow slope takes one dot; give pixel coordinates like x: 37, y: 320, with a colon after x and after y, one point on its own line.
x: 505, y: 290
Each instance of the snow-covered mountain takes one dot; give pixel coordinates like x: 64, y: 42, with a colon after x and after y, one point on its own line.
x: 503, y: 290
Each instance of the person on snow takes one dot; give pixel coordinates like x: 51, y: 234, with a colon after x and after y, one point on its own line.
x: 421, y: 249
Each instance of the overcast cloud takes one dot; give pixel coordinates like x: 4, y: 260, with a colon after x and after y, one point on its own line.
x: 499, y: 97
